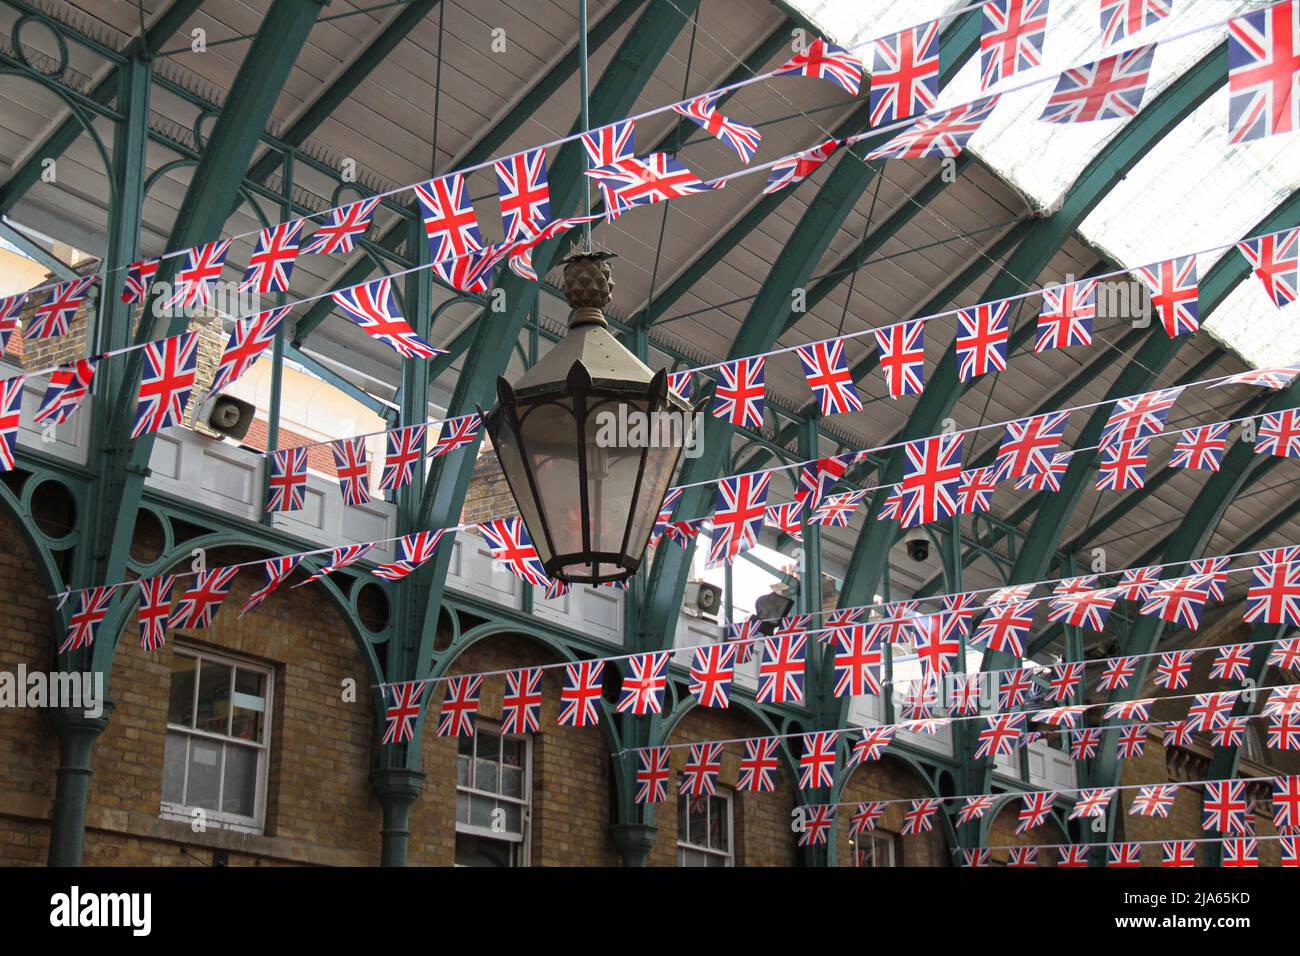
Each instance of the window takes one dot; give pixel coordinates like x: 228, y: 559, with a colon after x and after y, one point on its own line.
x: 877, y: 848
x: 218, y: 739
x: 493, y: 799
x: 704, y: 830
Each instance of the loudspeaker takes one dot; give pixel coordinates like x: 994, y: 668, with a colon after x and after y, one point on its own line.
x: 231, y: 417
x: 703, y: 597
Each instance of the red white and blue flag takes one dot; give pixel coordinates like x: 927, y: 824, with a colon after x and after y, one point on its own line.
x: 195, y: 276
x: 817, y: 825
x: 139, y: 277
x: 608, y: 144
x: 858, y: 661
x: 455, y: 433
x: 1066, y: 316
x: 975, y: 494
x: 1065, y: 680
x: 54, y: 316
x: 758, y: 765
x: 276, y: 571
x: 92, y: 608
x: 1139, y: 416
x: 510, y: 543
x: 1174, y: 286
x: 11, y: 309
x: 1286, y: 803
x: 271, y: 264
x: 343, y: 228
x: 1088, y: 609
x: 580, y: 693
x: 703, y: 110
x: 198, y: 607
x: 1241, y: 852
x: 931, y: 478
x: 1178, y: 600
x: 373, y: 306
x: 919, y: 816
x: 1274, y: 595
x: 155, y: 608
x: 459, y: 705
x: 521, y: 704
x: 829, y: 377
x: 975, y: 808
x: 1154, y: 800
x: 905, y: 74
x: 982, y: 339
x: 738, y: 516
x: 248, y: 340
x: 1224, y: 807
x: 712, y: 669
x: 1279, y: 434
x: 525, y: 193
x: 449, y: 221
x: 1011, y: 38
x: 800, y: 166
x: 865, y: 816
x: 1049, y: 480
x: 400, y: 716
x: 166, y: 382
x: 68, y: 385
x: 1120, y: 19
x: 1274, y: 261
x: 1123, y: 465
x: 1028, y: 445
x: 817, y: 479
x: 1034, y: 809
x: 700, y: 773
x: 642, y: 180
x: 287, y: 486
x: 1201, y: 448
x: 1285, y: 654
x: 738, y: 396
x: 1230, y: 663
x: 413, y: 550
x: 353, y: 470
x: 785, y: 518
x: 945, y: 133
x: 1173, y: 669
x: 1106, y: 89
x: 872, y: 745
x: 937, y: 647
x: 1264, y: 72
x: 644, y: 683
x: 404, y: 450
x: 652, y: 774
x: 1123, y: 854
x: 781, y: 670
x: 826, y: 61
x: 1000, y: 735
x: 817, y: 759
x: 900, y: 349
x: 1004, y: 628
x: 339, y: 558
x: 836, y: 510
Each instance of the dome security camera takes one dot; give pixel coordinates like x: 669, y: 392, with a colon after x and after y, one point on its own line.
x: 918, y: 545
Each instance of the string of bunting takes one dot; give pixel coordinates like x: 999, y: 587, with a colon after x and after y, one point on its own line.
x: 1238, y: 851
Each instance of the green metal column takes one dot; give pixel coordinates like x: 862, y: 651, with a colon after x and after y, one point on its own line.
x: 77, y: 735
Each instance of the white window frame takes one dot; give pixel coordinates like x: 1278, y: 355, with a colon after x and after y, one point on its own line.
x: 525, y: 839
x: 878, y: 838
x: 230, y: 821
x: 729, y: 855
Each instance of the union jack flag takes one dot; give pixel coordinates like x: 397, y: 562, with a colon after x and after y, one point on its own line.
x: 712, y: 669
x: 858, y: 661
x: 1121, y: 19
x: 931, y: 478
x: 1011, y: 594
x: 1049, y: 480
x: 1263, y: 63
x: 1209, y: 711
x: 1241, y: 852
x: 455, y: 433
x: 1286, y: 654
x: 92, y: 608
x: 1215, y: 577
x: 608, y: 144
x: 1034, y: 808
x: 826, y: 61
x: 1065, y: 680
x: 54, y: 316
x: 1274, y: 378
x: 195, y: 276
x: 11, y: 308
x: 287, y: 486
x: 1139, y: 416
x: 1178, y: 853
x: 829, y: 377
x: 339, y: 558
x: 580, y: 693
x: 1076, y: 585
x: 979, y: 856
x: 919, y: 817
x: 276, y: 571
x: 781, y: 670
x: 817, y: 761
x: 459, y: 705
x: 865, y: 817
x: 1178, y: 600
x: 403, y: 712
x: 963, y: 694
x: 872, y: 745
x: 166, y: 382
x: 1013, y: 686
x: 817, y: 825
x: 1286, y: 802
x: 643, y: 686
x: 899, y: 620
x: 785, y: 518
x: 1066, y: 316
x: 1289, y: 848
x: 1154, y: 800
x: 1123, y: 465
x: 1201, y: 448
x: 345, y: 226
x: 836, y: 510
x: 703, y: 110
x: 1134, y: 583
x: 1123, y: 854
x: 1174, y: 290
x: 521, y: 705
x: 1000, y: 735
x: 1022, y: 856
x: 738, y: 396
x: 1283, y: 700
x: 1061, y: 716
x: 758, y: 765
x: 1139, y: 709
x: 1283, y: 732
x: 1231, y: 734
x: 700, y: 775
x: 1132, y: 741
x: 982, y: 339
x: 68, y: 385
x: 975, y: 494
x: 1073, y: 855
x: 373, y: 306
x: 960, y: 610
x: 510, y: 543
x: 198, y: 607
x: 1011, y: 38
x: 652, y: 773
x: 900, y: 349
x: 139, y: 276
x: 643, y: 180
x: 1173, y: 670
x: 738, y: 516
x: 817, y: 479
x: 1109, y: 88
x: 1279, y: 434
x: 353, y: 470
x: 1274, y: 595
x: 1084, y: 743
x: 1224, y: 807
x: 412, y: 551
x: 905, y: 74
x: 974, y: 808
x: 1092, y: 802
x: 1273, y: 260
x: 682, y: 383
x: 405, y: 449
x: 1231, y: 663
x: 936, y: 647
x: 155, y: 607
x: 271, y: 264
x: 248, y: 340
x: 449, y: 220
x: 938, y: 134
x: 893, y: 501
x: 799, y: 167
x: 525, y: 193
x: 1028, y: 443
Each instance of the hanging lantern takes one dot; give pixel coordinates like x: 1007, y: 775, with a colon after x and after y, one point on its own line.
x: 581, y: 439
